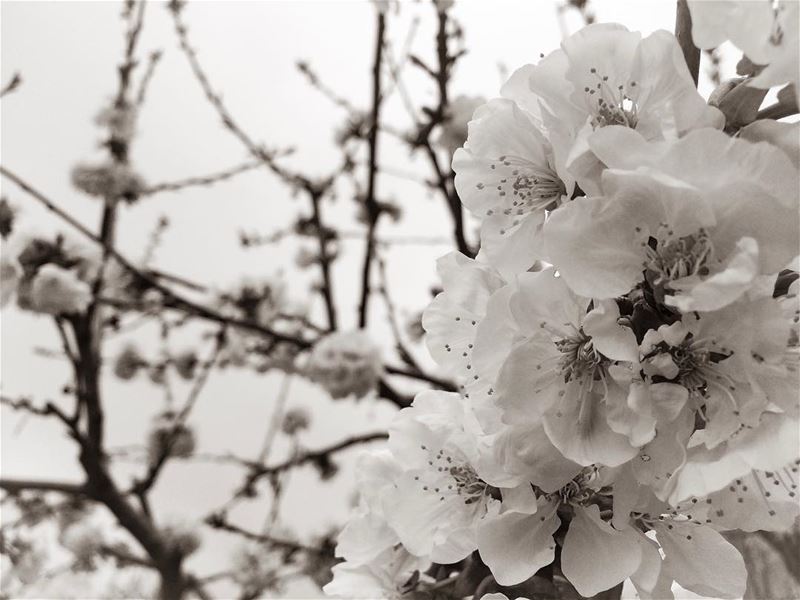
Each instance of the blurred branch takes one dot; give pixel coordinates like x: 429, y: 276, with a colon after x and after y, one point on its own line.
x: 14, y: 486
x: 315, y: 190
x: 436, y: 116
x: 683, y: 31
x: 147, y: 78
x: 373, y: 211
x: 141, y: 487
x: 324, y: 257
x: 416, y: 372
x: 123, y: 557
x: 221, y: 523
x: 313, y: 455
x: 267, y: 158
x: 48, y: 410
x: 174, y: 186
x: 317, y: 84
x: 174, y: 301
x: 13, y: 84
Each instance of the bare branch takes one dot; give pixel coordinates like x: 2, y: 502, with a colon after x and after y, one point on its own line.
x: 147, y: 78
x: 373, y: 211
x: 200, y: 181
x: 13, y: 84
x: 221, y: 523
x: 312, y: 456
x: 15, y: 486
x: 142, y: 486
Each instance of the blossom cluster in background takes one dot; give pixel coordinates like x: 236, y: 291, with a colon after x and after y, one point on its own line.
x: 626, y: 341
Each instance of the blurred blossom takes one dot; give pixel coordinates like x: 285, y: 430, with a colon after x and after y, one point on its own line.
x: 345, y: 363
x: 306, y: 257
x: 157, y: 373
x: 183, y: 537
x: 257, y: 300
x: 128, y: 363
x: 152, y: 301
x: 767, y: 33
x: 414, y: 329
x: 185, y: 364
x: 55, y: 290
x: 109, y: 180
x: 296, y: 420
x: 7, y: 215
x: 120, y: 121
x: 170, y: 437
x: 255, y: 570
x: 26, y: 561
x: 453, y: 132
x: 48, y: 273
x: 84, y: 541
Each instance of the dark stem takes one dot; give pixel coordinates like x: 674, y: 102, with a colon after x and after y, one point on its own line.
x: 370, y: 203
x: 683, y: 31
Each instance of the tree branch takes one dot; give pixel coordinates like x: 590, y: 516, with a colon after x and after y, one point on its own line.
x: 14, y: 486
x: 373, y: 211
x: 683, y: 31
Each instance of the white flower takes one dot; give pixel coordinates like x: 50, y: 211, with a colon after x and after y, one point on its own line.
x: 560, y: 372
x: 367, y: 534
x: 439, y: 497
x: 451, y: 320
x: 767, y: 33
x: 345, y: 363
x: 606, y: 76
x: 56, y: 290
x: 389, y: 576
x: 451, y: 490
x: 785, y: 136
x: 701, y: 217
x: 453, y: 131
x: 506, y: 176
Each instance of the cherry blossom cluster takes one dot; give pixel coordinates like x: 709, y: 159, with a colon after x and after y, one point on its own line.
x: 626, y: 340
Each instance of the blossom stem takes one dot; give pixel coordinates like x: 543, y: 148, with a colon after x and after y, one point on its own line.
x: 683, y: 31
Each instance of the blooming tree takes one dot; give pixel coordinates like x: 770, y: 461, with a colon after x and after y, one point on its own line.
x: 618, y: 377
x: 625, y: 340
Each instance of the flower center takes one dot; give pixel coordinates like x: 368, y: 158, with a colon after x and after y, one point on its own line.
x: 609, y: 106
x: 578, y: 357
x: 672, y: 259
x: 580, y: 489
x: 453, y: 477
x: 524, y: 188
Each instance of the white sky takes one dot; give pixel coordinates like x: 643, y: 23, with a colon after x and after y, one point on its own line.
x: 67, y: 52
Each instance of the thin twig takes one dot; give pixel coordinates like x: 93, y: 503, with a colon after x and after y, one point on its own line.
x: 373, y: 211
x: 199, y: 181
x: 13, y: 84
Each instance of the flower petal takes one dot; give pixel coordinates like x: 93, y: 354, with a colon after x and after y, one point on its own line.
x: 700, y: 559
x: 516, y: 545
x: 595, y: 556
